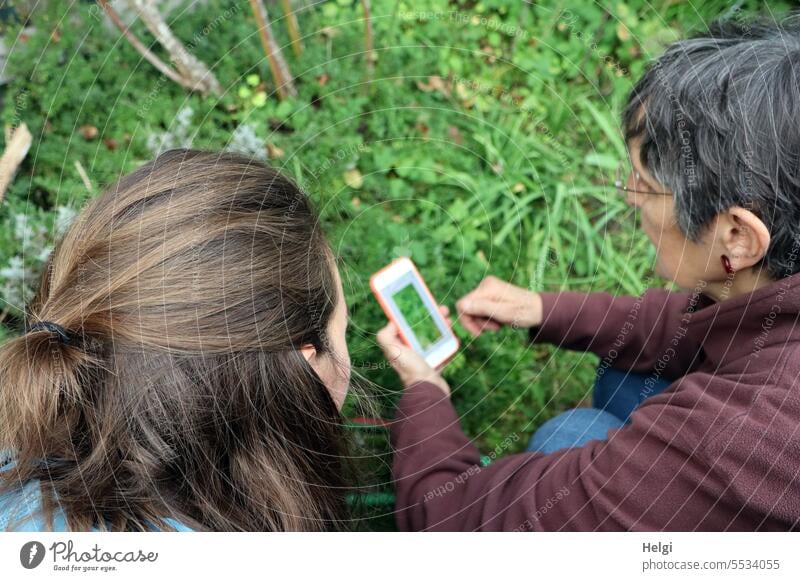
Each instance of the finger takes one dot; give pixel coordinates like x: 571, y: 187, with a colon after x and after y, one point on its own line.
x: 445, y: 311
x: 385, y: 330
x: 486, y: 324
x: 477, y: 291
x: 465, y: 300
x: 391, y: 348
x: 478, y: 306
x: 388, y: 335
x: 489, y: 282
x: 470, y: 324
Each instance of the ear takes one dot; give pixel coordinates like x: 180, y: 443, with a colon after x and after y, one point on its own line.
x: 308, y: 351
x: 744, y: 237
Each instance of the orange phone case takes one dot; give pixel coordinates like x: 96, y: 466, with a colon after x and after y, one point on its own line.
x: 391, y: 316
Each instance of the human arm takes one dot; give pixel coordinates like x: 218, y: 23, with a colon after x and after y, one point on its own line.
x: 634, y: 333
x: 645, y: 477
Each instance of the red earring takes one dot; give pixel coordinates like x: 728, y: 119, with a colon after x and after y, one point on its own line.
x: 726, y: 264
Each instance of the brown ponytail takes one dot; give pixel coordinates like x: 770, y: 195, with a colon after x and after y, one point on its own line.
x: 187, y: 287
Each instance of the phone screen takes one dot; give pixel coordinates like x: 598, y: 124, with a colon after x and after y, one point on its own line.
x: 415, y: 312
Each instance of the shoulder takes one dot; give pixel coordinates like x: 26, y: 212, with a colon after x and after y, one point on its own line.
x: 21, y: 510
x: 21, y: 503
x: 21, y: 506
x: 178, y: 526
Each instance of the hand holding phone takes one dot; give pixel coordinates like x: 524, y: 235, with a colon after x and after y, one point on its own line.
x: 409, y: 305
x: 410, y: 366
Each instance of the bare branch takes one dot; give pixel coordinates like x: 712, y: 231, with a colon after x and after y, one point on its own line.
x: 280, y: 70
x: 294, y: 28
x: 87, y: 183
x: 17, y: 147
x: 192, y: 74
x: 141, y: 48
x: 191, y: 69
x: 369, y: 51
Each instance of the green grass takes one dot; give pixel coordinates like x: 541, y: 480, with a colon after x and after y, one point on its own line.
x: 485, y: 143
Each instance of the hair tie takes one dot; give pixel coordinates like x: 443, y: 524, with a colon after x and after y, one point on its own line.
x: 61, y: 332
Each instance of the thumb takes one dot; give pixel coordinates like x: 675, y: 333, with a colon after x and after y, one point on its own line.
x: 389, y: 339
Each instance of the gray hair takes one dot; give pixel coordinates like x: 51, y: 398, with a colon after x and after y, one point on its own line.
x: 719, y: 120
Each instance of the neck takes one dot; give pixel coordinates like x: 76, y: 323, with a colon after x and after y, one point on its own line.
x: 740, y: 283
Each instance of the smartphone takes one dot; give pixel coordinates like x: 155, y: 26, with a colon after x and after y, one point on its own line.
x: 407, y: 302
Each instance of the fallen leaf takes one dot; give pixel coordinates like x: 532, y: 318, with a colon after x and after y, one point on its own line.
x: 323, y: 79
x: 259, y: 99
x: 328, y: 31
x: 274, y: 151
x: 435, y: 83
x: 353, y: 178
x: 455, y: 134
x: 467, y: 100
x: 88, y: 132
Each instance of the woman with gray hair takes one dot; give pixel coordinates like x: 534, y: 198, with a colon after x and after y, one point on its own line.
x: 695, y: 417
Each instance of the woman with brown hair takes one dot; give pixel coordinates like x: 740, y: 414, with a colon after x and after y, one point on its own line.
x: 184, y: 363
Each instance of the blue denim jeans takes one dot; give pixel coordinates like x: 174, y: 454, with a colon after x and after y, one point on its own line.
x: 616, y: 394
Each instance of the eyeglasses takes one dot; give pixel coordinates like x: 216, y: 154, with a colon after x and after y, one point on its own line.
x: 619, y: 183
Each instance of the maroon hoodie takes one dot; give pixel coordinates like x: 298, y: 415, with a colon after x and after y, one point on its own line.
x: 718, y: 450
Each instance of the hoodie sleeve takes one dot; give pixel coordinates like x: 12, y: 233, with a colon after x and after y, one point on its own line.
x: 633, y: 481
x: 630, y: 333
